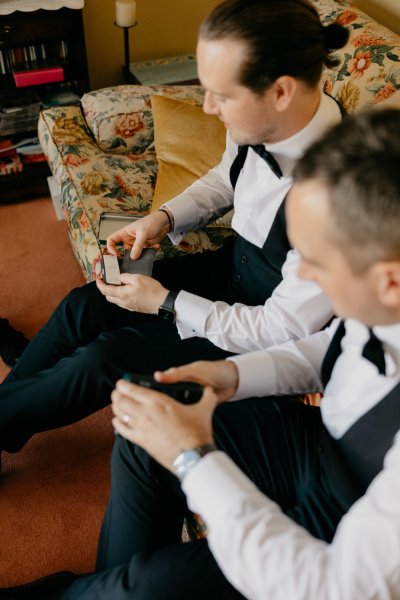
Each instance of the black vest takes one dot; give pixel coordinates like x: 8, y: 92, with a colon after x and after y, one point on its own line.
x: 351, y: 462
x: 257, y: 271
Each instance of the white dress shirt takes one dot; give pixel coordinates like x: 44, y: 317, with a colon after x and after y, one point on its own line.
x: 296, y: 308
x: 262, y: 552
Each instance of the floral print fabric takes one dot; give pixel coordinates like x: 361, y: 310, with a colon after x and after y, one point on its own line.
x: 115, y: 173
x: 103, y: 155
x: 369, y: 70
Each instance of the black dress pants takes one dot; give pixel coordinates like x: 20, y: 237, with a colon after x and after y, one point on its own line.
x: 274, y: 441
x: 70, y: 368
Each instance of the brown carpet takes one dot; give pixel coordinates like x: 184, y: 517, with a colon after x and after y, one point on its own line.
x: 52, y: 493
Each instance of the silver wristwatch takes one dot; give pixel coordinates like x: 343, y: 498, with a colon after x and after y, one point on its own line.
x: 187, y: 459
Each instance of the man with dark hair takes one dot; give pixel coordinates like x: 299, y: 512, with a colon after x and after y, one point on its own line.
x: 301, y: 503
x: 260, y: 63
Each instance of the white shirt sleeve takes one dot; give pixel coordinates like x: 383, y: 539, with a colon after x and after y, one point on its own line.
x: 291, y: 368
x: 295, y: 309
x: 206, y: 199
x: 265, y: 555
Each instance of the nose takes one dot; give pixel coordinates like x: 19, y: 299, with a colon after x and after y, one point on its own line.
x: 210, y: 107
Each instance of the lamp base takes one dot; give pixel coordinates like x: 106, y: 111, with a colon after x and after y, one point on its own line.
x: 125, y: 69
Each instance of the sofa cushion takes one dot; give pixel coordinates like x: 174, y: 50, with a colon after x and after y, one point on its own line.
x: 120, y: 117
x: 188, y: 143
x: 369, y: 71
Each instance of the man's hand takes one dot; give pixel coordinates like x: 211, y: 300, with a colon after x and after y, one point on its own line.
x: 221, y: 375
x: 162, y: 426
x: 146, y: 232
x: 139, y: 293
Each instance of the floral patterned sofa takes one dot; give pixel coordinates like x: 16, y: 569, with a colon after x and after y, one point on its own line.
x: 102, y: 153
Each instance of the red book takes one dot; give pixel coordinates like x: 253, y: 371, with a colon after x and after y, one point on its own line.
x: 28, y: 77
x: 7, y: 148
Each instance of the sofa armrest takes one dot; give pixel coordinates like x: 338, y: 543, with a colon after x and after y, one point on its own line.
x: 91, y: 181
x: 120, y: 117
x: 369, y: 70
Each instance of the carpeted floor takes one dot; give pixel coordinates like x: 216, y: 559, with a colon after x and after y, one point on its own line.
x: 52, y: 493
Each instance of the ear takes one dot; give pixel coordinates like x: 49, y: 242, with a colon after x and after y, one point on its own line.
x: 388, y: 283
x: 284, y: 89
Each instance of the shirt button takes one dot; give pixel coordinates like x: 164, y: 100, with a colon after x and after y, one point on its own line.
x: 243, y: 259
x: 236, y: 279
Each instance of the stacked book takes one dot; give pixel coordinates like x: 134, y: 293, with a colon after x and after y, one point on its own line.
x: 19, y: 113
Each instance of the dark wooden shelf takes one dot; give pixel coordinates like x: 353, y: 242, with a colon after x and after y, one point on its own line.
x: 48, y: 27
x: 30, y: 183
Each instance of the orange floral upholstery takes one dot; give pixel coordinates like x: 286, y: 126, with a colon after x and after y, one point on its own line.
x: 103, y: 155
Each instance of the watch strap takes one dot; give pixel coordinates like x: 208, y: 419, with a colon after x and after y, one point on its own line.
x: 189, y: 457
x: 167, y: 309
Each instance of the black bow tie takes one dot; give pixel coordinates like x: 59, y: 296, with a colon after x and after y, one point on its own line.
x: 267, y: 156
x: 373, y: 351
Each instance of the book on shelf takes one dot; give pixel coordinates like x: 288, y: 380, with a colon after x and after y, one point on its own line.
x: 12, y: 58
x: 19, y: 112
x: 7, y: 148
x: 37, y: 73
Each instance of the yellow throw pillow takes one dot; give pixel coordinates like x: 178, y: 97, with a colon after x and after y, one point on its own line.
x: 188, y: 144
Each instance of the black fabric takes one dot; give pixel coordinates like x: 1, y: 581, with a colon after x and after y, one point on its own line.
x: 332, y: 354
x: 240, y: 159
x: 354, y: 460
x: 257, y: 271
x: 237, y: 164
x: 70, y: 368
x: 373, y: 351
x: 269, y: 159
x: 12, y: 343
x: 274, y: 441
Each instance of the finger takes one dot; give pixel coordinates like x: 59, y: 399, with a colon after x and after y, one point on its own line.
x: 140, y: 394
x: 112, y: 242
x: 209, y: 398
x: 126, y: 432
x: 105, y: 289
x: 128, y: 278
x: 185, y: 373
x: 119, y: 411
x: 139, y: 244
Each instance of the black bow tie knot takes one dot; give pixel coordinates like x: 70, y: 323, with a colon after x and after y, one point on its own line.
x: 373, y: 351
x: 267, y: 156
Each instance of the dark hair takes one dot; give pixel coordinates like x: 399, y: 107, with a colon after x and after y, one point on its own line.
x: 358, y: 162
x: 284, y: 37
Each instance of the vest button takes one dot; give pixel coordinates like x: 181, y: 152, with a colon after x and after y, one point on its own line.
x: 237, y: 278
x: 243, y: 259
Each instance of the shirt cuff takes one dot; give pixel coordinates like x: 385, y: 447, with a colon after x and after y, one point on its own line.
x: 257, y: 375
x: 191, y: 314
x: 183, y: 208
x: 213, y: 485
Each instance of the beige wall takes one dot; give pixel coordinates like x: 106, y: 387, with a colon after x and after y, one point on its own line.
x: 165, y: 28
x: 386, y: 12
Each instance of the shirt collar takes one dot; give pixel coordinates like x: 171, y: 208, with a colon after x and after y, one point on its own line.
x: 327, y: 114
x: 389, y: 335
